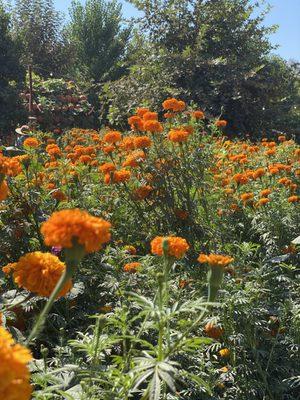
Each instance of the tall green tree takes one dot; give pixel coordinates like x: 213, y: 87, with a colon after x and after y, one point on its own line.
x: 99, y: 37
x: 11, y: 76
x: 216, y: 53
x: 39, y: 28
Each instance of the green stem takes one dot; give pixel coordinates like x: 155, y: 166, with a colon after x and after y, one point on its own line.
x: 68, y: 273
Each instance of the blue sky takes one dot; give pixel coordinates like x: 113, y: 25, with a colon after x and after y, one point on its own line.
x: 285, y: 13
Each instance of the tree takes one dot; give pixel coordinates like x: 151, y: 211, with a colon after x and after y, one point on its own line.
x: 99, y: 37
x: 38, y: 27
x: 11, y: 76
x: 217, y: 53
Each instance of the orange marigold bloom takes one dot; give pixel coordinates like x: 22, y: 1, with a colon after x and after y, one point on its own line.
x: 136, y: 123
x: 130, y: 249
x: 53, y: 150
x: 247, y: 196
x: 150, y: 116
x: 9, y: 268
x: 213, y: 331
x: 198, y: 114
x: 133, y: 159
x: 177, y: 246
x: 85, y: 159
x: 224, y: 353
x: 258, y: 173
x: 31, y: 142
x: 141, y: 111
x: 127, y: 143
x: 178, y: 136
x: 240, y: 178
x: 173, y: 104
x: 265, y: 192
x: 64, y: 226
x: 215, y: 260
x: 142, y: 192
x: 122, y: 175
x: 132, y: 268
x: 221, y: 123
x: 4, y: 191
x: 270, y: 152
x: 112, y: 137
x: 106, y: 168
x: 39, y: 273
x: 169, y: 115
x: 263, y: 201
x: 59, y: 195
x: 14, y: 372
x: 153, y: 126
x: 293, y: 199
x: 142, y: 142
x: 108, y: 149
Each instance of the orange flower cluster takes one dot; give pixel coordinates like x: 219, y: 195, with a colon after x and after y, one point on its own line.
x: 31, y: 142
x: 39, y: 273
x: 215, y: 260
x: 14, y: 372
x: 63, y: 227
x: 132, y: 268
x: 177, y: 246
x: 174, y: 105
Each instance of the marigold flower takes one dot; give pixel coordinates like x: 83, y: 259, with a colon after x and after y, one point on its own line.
x: 31, y: 142
x: 169, y: 115
x: 174, y: 105
x: 4, y: 191
x: 39, y: 273
x: 121, y: 175
x: 293, y: 199
x: 64, y: 226
x: 142, y: 192
x: 127, y: 143
x: 221, y: 123
x: 130, y: 249
x: 178, y: 136
x: 53, y: 150
x: 198, y: 114
x: 141, y: 111
x: 263, y: 201
x: 112, y: 137
x: 177, y: 246
x: 213, y: 331
x: 224, y: 353
x: 282, y: 138
x: 106, y: 168
x: 59, y: 195
x: 14, y: 372
x: 136, y: 123
x: 9, y: 268
x: 142, y: 142
x: 150, y: 116
x: 240, y: 179
x: 85, y: 159
x: 246, y: 196
x: 265, y: 192
x: 109, y: 149
x: 132, y: 268
x: 258, y: 173
x: 215, y: 260
x: 153, y: 126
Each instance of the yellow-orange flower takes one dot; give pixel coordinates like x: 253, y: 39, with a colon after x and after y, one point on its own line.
x: 173, y: 104
x: 293, y: 199
x: 178, y: 135
x: 31, y: 142
x: 142, y: 142
x: 263, y: 201
x: 4, y: 191
x: 224, y: 353
x: 112, y: 137
x: 106, y: 168
x: 177, y: 246
x: 63, y: 227
x: 221, y: 123
x: 215, y: 260
x: 265, y: 192
x: 130, y: 249
x: 153, y: 126
x: 14, y: 372
x: 198, y: 114
x: 39, y: 273
x: 213, y: 331
x: 131, y: 268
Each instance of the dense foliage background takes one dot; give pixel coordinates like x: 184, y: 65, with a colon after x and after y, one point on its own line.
x: 215, y: 53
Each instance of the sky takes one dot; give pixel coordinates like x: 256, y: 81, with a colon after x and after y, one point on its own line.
x: 285, y: 13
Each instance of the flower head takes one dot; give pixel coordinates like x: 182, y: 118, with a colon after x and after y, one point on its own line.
x: 63, y: 227
x: 132, y: 268
x: 215, y: 260
x: 4, y: 191
x: 39, y: 273
x: 14, y: 372
x: 31, y: 142
x: 112, y: 137
x: 153, y: 126
x: 177, y: 246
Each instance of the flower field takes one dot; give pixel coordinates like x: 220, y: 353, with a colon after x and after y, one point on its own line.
x: 161, y: 262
